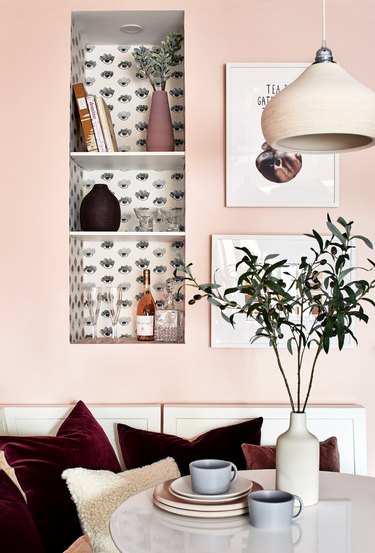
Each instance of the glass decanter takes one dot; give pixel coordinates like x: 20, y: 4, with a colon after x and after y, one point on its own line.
x: 169, y: 321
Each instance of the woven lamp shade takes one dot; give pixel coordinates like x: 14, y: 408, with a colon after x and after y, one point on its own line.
x: 324, y: 110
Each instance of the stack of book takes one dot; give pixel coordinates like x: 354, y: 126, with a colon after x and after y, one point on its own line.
x: 96, y: 121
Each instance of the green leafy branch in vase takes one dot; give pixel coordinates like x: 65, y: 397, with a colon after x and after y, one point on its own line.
x: 309, y: 308
x: 156, y: 63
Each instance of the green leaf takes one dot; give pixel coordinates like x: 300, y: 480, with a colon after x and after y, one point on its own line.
x: 278, y: 290
x: 335, y: 231
x: 227, y: 319
x: 271, y: 268
x: 271, y: 256
x: 342, y: 222
x: 208, y: 286
x: 214, y: 301
x: 352, y: 335
x: 246, y: 251
x: 347, y: 271
x: 360, y: 315
x: 326, y: 343
x: 289, y: 345
x: 257, y: 337
x: 365, y: 240
x: 228, y: 291
x: 340, y: 330
x: 369, y: 301
x: 318, y: 238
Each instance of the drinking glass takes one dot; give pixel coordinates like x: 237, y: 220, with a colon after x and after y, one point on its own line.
x: 173, y: 218
x: 114, y: 300
x: 92, y: 299
x: 146, y: 216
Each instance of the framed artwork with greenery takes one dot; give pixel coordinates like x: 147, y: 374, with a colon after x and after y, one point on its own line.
x: 225, y: 257
x: 256, y: 174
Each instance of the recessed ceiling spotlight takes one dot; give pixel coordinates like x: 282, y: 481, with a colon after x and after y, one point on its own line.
x: 132, y: 28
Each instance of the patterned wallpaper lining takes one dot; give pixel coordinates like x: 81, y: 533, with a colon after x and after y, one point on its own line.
x: 110, y: 71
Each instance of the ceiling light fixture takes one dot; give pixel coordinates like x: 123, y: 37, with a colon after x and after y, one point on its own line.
x: 132, y: 28
x: 324, y: 110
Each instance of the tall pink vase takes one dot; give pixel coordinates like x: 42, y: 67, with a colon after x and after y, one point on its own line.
x: 160, y: 131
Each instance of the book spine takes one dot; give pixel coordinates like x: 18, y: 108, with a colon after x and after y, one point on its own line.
x: 96, y: 123
x: 105, y: 123
x: 111, y: 127
x: 84, y: 116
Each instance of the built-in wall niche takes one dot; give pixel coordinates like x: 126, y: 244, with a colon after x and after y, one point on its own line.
x: 102, y: 60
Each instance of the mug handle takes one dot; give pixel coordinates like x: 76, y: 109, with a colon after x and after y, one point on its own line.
x: 234, y: 470
x: 298, y: 514
x: 296, y: 525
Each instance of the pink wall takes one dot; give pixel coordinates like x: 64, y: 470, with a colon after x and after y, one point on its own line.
x: 38, y: 363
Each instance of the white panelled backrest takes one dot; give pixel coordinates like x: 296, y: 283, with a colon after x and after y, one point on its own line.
x: 346, y: 422
x: 44, y: 420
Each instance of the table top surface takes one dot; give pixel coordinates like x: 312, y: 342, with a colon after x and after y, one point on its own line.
x: 342, y: 522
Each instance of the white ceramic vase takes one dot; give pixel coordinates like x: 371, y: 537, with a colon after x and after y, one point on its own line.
x: 297, y: 461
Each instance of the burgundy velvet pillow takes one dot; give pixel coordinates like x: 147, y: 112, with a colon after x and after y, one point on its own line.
x: 18, y: 532
x: 264, y: 457
x: 143, y: 447
x: 38, y: 462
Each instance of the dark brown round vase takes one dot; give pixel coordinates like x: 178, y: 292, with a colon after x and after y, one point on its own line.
x: 100, y: 210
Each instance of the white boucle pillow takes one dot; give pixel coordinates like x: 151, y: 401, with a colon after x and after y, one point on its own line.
x: 98, y: 493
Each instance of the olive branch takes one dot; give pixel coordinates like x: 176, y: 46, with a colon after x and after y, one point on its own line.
x: 322, y: 291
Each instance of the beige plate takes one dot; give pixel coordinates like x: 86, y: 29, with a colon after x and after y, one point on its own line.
x: 200, y: 514
x: 165, y: 500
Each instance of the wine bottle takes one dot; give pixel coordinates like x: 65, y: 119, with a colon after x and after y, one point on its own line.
x: 146, y: 308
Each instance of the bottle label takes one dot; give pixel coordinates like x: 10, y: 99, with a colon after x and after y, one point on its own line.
x: 145, y: 325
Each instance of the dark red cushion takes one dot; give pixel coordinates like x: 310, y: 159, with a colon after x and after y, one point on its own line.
x: 264, y: 457
x: 18, y: 533
x: 39, y: 461
x: 142, y: 447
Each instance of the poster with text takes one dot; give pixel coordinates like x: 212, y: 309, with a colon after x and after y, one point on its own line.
x: 256, y: 174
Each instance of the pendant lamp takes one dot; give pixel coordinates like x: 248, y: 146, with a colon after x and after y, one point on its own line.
x: 324, y: 110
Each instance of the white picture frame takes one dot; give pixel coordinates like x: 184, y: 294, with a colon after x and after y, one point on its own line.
x: 313, y: 179
x: 224, y: 257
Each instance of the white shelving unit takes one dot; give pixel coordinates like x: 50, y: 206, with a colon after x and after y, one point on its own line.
x: 120, y: 236
x: 157, y: 161
x: 102, y: 60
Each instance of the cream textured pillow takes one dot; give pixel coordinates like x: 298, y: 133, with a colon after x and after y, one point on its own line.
x: 98, y: 493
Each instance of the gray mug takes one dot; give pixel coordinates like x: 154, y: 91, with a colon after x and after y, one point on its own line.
x: 212, y: 476
x: 273, y: 509
x: 262, y: 540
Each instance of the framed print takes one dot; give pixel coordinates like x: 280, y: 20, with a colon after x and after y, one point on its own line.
x: 224, y: 259
x: 257, y: 175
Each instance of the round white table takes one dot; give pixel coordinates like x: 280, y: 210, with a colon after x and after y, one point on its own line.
x: 342, y: 522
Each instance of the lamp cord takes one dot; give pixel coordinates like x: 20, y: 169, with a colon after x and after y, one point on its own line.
x: 324, y: 54
x: 324, y: 42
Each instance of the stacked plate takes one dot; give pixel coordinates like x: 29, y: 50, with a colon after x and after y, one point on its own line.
x: 177, y: 496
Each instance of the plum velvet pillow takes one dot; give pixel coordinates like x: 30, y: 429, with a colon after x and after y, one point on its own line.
x: 143, y: 447
x: 264, y: 457
x: 39, y: 461
x: 18, y: 532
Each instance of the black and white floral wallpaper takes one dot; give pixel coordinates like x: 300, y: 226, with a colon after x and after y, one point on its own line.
x: 110, y: 71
